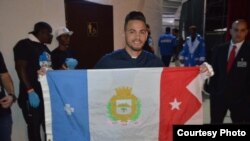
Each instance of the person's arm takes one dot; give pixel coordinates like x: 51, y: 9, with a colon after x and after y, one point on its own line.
x: 7, y: 82
x: 9, y: 99
x: 22, y: 53
x: 21, y: 68
x: 102, y: 63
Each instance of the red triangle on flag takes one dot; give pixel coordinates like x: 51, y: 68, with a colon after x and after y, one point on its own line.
x: 177, y: 103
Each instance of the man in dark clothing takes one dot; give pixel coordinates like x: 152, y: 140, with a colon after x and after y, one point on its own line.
x: 178, y: 44
x: 230, y: 87
x: 30, y: 55
x: 6, y: 100
x: 167, y: 43
x: 63, y: 57
x: 133, y: 55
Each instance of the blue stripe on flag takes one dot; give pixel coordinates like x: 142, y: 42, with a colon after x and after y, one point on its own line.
x: 69, y: 105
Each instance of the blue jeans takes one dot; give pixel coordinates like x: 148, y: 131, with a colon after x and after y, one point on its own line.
x: 5, y: 127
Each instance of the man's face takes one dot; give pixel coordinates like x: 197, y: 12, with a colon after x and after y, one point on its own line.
x: 136, y: 35
x: 239, y: 31
x: 192, y: 32
x: 64, y: 39
x: 45, y: 36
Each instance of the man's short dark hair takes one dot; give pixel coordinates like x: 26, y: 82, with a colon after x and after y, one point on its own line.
x: 134, y: 15
x: 167, y: 29
x: 41, y: 26
x: 193, y: 27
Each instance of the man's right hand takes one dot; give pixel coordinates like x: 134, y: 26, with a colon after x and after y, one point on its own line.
x: 34, y: 100
x: 71, y: 63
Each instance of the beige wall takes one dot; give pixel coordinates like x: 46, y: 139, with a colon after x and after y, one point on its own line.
x: 17, y: 18
x: 150, y: 8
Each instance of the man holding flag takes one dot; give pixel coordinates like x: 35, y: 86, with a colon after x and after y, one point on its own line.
x: 123, y: 104
x: 133, y: 55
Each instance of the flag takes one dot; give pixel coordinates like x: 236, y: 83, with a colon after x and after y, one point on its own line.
x: 120, y: 104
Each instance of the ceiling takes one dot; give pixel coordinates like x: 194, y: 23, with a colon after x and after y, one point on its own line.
x: 171, y: 12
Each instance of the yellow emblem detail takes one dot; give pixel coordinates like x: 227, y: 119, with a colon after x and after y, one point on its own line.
x: 124, y: 106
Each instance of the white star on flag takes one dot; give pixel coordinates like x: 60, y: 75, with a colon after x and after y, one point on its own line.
x: 69, y: 110
x: 175, y: 104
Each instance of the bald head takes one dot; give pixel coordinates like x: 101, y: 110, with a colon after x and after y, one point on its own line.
x: 239, y: 30
x: 240, y: 21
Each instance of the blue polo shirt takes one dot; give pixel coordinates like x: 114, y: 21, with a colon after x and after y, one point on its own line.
x: 121, y: 59
x: 167, y: 43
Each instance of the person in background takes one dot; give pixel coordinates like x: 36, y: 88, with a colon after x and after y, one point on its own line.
x: 6, y: 100
x: 148, y: 46
x: 230, y: 87
x: 179, y: 45
x: 31, y: 55
x: 63, y: 57
x: 194, y: 51
x: 167, y: 43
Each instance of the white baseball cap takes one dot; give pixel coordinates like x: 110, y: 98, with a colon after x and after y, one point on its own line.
x: 62, y: 30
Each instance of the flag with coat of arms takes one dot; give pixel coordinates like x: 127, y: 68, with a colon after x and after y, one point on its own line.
x: 139, y: 104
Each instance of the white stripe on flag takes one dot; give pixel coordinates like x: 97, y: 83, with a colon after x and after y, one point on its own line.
x: 196, y: 87
x: 47, y: 107
x: 102, y: 86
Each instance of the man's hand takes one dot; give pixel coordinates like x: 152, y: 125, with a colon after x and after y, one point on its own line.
x: 42, y: 71
x: 206, y: 69
x: 6, y: 101
x: 71, y: 63
x: 34, y: 100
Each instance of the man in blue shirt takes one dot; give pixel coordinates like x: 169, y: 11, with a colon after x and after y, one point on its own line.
x: 194, y: 51
x: 167, y: 43
x: 133, y: 55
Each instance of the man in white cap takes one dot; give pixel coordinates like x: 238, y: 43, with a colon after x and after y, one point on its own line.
x: 63, y: 57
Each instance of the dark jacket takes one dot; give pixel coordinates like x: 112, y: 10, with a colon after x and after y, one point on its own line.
x: 235, y: 85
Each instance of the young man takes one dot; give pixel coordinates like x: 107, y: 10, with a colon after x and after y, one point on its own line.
x: 63, y: 57
x: 30, y: 55
x: 133, y: 55
x: 230, y: 86
x: 6, y: 100
x: 194, y: 51
x: 167, y: 44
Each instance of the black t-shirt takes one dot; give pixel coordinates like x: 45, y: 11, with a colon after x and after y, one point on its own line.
x: 121, y: 59
x: 31, y: 52
x: 3, y: 69
x: 58, y: 57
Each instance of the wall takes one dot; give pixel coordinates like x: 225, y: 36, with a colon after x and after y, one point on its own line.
x: 150, y: 8
x: 19, y: 16
x: 17, y: 19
